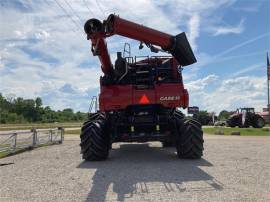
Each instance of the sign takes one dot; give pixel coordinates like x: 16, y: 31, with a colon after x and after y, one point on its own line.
x: 169, y: 98
x: 193, y: 110
x: 144, y: 100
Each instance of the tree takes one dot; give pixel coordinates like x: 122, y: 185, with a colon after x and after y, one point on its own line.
x: 7, y: 117
x: 2, y: 102
x: 223, y: 115
x: 204, y: 117
x: 80, y: 116
x: 18, y: 110
x: 38, y: 102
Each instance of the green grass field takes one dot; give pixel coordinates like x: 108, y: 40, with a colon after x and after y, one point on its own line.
x: 4, y: 154
x: 73, y: 132
x: 13, y: 127
x: 5, y: 127
x: 226, y: 131
x: 20, y: 150
x: 243, y: 131
x: 212, y: 130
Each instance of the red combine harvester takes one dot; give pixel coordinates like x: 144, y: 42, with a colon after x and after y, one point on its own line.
x: 139, y: 96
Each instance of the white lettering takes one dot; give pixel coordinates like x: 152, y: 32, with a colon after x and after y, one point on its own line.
x: 169, y: 98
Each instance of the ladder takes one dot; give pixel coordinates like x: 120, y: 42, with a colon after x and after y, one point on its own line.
x: 93, y: 108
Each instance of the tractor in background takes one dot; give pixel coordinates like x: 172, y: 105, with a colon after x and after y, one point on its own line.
x: 244, y: 118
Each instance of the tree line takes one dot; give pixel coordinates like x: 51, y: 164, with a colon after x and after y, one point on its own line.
x: 19, y: 110
x: 206, y: 118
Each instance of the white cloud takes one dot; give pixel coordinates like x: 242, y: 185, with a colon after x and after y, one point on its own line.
x: 201, y: 84
x: 1, y: 62
x: 194, y: 30
x: 248, y: 69
x: 20, y: 34
x: 242, y: 44
x: 207, y: 59
x: 229, y: 94
x: 42, y: 50
x: 229, y: 29
x: 249, y: 6
x: 42, y: 34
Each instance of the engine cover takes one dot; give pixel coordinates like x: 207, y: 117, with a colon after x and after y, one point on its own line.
x: 117, y: 97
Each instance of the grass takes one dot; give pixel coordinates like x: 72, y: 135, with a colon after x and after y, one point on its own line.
x: 20, y: 150
x: 4, y: 154
x: 5, y: 127
x: 243, y: 131
x: 73, y: 132
x: 13, y: 152
x: 225, y: 130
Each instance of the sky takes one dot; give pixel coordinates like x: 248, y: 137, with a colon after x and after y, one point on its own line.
x: 44, y: 52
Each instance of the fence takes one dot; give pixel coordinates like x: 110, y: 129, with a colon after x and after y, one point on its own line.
x: 24, y: 139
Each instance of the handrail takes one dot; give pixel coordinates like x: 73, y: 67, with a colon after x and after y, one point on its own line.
x: 11, y: 141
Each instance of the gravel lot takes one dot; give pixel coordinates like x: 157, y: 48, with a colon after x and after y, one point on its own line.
x: 232, y: 169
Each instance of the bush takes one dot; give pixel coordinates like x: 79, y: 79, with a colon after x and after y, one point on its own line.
x: 19, y: 110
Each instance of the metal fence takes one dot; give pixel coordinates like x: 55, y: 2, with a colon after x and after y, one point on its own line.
x: 23, y: 139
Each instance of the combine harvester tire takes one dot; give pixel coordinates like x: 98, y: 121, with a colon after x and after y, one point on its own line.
x: 95, y: 143
x: 189, y: 140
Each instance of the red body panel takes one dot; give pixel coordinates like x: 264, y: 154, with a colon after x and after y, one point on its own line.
x: 117, y: 97
x: 99, y: 47
x: 138, y: 32
x: 116, y: 25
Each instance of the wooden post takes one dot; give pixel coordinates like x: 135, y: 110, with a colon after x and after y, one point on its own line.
x: 268, y: 79
x: 34, y: 143
x: 15, y: 141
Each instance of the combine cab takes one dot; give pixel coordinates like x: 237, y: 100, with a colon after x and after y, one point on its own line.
x: 139, y: 96
x: 244, y: 118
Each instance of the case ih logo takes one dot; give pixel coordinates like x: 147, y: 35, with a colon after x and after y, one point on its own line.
x: 166, y: 98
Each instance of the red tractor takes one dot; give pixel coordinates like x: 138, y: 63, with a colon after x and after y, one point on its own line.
x: 244, y: 118
x: 139, y: 96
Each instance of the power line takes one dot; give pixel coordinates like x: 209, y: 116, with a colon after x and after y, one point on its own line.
x: 85, y: 3
x: 75, y: 31
x: 101, y: 10
x: 74, y: 11
x: 66, y: 12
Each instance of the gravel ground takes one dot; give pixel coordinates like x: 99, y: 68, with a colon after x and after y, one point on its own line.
x: 232, y: 169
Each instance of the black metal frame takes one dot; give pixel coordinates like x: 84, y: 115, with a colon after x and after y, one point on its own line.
x: 140, y: 123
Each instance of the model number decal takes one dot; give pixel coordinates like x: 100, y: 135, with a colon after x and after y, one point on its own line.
x: 165, y: 98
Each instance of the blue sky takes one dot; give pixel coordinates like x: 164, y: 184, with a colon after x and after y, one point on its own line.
x: 44, y: 51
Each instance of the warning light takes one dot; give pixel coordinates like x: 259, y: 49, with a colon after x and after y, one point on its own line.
x: 144, y: 100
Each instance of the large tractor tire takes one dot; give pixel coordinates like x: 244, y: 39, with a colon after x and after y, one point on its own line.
x: 233, y: 121
x: 95, y: 142
x: 177, y: 115
x: 257, y: 122
x: 189, y: 140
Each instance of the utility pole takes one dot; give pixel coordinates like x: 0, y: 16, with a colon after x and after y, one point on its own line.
x: 268, y: 79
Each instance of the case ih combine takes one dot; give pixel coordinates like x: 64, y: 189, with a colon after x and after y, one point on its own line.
x: 139, y: 96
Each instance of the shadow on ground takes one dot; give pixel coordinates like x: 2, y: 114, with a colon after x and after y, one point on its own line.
x: 131, y: 167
